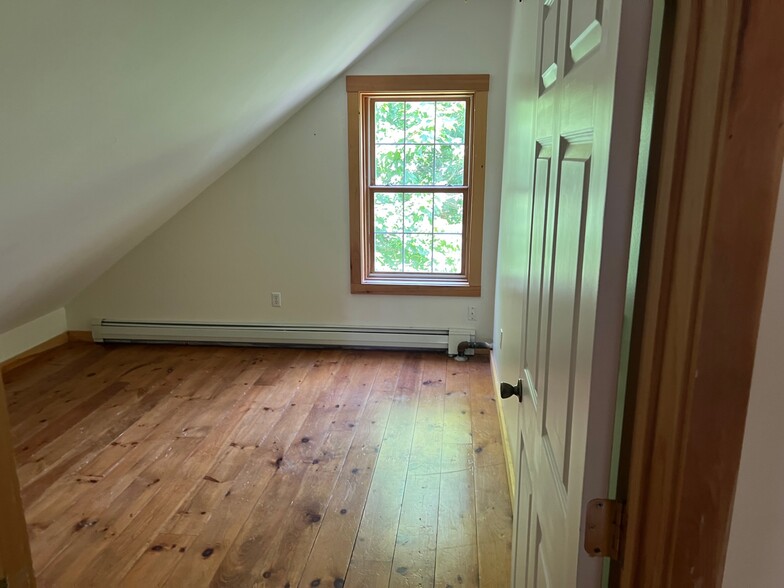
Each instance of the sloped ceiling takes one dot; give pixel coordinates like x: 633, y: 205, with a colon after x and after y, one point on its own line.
x: 114, y: 114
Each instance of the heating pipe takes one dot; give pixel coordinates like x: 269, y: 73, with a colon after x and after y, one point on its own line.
x: 463, y: 345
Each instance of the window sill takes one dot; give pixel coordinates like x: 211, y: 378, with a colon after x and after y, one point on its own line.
x: 417, y: 288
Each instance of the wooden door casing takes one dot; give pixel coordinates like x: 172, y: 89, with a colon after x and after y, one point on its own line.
x: 718, y: 172
x: 16, y: 565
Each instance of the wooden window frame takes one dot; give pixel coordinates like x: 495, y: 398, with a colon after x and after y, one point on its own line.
x: 362, y: 91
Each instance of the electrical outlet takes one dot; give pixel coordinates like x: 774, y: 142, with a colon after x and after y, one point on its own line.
x: 472, y: 313
x: 276, y: 299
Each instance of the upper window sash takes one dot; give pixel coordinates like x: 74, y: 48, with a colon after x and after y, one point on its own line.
x: 440, y: 146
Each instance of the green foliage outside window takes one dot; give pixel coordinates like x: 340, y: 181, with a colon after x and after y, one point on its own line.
x: 419, y: 232
x: 419, y: 143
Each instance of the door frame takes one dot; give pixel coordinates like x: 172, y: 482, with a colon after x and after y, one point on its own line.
x: 710, y: 206
x: 16, y: 565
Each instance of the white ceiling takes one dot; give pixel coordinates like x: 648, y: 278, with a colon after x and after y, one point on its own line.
x: 114, y: 114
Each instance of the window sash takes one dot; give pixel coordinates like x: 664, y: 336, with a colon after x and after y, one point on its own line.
x: 370, y: 130
x: 369, y: 188
x: 370, y: 234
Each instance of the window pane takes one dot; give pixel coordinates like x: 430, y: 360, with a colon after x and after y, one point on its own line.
x: 448, y: 213
x: 450, y: 122
x: 389, y: 165
x: 420, y: 122
x: 419, y: 165
x: 390, y: 122
x: 450, y: 165
x: 418, y: 253
x: 418, y: 213
x: 388, y: 213
x: 388, y: 253
x: 447, y: 257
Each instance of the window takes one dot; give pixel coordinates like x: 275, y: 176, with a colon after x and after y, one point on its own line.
x: 416, y: 183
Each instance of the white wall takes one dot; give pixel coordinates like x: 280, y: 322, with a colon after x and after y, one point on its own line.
x: 114, y: 115
x: 755, y: 554
x: 30, y: 334
x: 278, y: 221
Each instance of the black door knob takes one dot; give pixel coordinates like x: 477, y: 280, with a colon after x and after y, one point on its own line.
x: 507, y: 390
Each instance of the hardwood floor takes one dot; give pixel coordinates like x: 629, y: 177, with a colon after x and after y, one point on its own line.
x: 197, y: 466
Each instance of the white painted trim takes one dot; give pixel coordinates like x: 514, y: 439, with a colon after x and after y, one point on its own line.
x: 550, y: 75
x: 588, y: 40
x: 508, y: 458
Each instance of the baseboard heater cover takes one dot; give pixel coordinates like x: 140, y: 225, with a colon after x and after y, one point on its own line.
x: 115, y: 331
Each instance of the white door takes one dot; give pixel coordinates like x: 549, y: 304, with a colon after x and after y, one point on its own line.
x: 590, y: 58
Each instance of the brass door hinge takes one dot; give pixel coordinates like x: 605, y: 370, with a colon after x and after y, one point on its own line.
x: 603, y: 527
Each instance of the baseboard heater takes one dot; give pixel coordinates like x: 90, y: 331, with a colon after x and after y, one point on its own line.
x: 114, y: 331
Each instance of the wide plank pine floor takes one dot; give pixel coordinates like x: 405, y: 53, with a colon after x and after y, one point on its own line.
x: 218, y: 466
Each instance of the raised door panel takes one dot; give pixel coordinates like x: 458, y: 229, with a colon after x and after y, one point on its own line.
x: 542, y: 572
x: 549, y: 43
x: 538, y: 574
x: 566, y: 289
x: 523, y: 534
x: 585, y: 28
x: 536, y: 310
